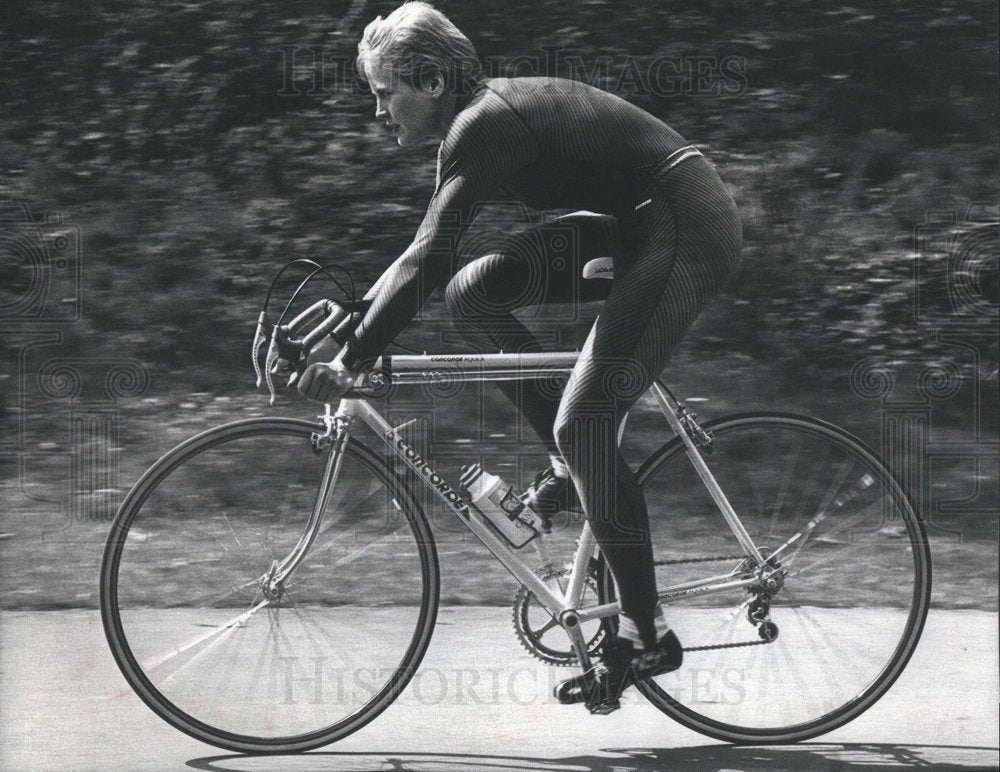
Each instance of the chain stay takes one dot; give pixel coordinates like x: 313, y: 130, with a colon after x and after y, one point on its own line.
x: 712, y: 646
x: 680, y: 561
x: 523, y: 597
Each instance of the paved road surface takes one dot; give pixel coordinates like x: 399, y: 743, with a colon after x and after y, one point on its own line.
x: 58, y: 712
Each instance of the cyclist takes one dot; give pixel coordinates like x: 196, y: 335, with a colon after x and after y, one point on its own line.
x: 646, y: 197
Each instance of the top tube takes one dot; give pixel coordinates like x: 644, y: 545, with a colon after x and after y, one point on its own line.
x: 465, y: 368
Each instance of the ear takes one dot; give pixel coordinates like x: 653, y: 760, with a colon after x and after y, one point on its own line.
x: 433, y: 85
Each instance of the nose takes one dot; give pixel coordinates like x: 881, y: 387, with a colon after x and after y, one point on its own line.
x: 380, y: 110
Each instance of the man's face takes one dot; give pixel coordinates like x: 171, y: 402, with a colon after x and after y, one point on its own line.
x: 412, y: 114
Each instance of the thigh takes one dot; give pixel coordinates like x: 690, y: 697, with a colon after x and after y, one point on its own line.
x: 541, y: 265
x: 609, y: 374
x: 663, y: 282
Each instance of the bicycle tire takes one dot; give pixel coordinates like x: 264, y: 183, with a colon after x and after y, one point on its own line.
x: 182, y: 604
x: 847, y: 623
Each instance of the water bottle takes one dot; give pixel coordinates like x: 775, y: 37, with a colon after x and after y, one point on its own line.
x: 517, y: 522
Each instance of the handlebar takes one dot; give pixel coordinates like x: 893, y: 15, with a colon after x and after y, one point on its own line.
x: 335, y: 316
x: 288, y: 348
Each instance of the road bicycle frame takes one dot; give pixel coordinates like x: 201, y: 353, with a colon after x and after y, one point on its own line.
x: 784, y: 473
x: 565, y: 606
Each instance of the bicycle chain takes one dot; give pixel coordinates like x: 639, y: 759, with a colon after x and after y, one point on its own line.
x: 523, y: 597
x: 711, y: 646
x: 679, y: 561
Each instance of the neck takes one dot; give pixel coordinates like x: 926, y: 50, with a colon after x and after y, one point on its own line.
x: 466, y: 92
x: 449, y: 109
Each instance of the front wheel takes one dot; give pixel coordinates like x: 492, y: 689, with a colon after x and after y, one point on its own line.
x: 849, y: 596
x: 218, y: 651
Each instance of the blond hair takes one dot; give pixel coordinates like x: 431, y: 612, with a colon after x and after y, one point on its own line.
x: 417, y: 41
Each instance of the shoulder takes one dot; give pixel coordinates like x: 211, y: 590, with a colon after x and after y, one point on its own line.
x: 506, y: 105
x: 487, y: 121
x: 527, y: 90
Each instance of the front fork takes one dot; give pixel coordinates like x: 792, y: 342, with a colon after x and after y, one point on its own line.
x: 332, y: 442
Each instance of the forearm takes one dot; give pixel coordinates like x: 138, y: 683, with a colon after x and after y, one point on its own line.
x: 395, y: 298
x: 400, y: 292
x: 374, y: 290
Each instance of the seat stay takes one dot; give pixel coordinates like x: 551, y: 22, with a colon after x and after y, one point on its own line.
x: 706, y: 476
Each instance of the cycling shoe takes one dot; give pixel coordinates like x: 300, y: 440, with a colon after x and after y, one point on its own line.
x: 600, y: 687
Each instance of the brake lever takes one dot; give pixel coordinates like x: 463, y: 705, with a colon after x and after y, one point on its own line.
x: 272, y: 357
x: 285, y: 368
x: 259, y: 338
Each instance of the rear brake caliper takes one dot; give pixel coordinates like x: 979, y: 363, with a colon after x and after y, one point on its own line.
x: 700, y: 437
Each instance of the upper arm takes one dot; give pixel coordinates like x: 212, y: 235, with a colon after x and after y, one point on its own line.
x: 481, y: 153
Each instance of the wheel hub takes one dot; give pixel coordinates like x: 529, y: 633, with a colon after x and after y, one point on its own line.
x: 271, y: 588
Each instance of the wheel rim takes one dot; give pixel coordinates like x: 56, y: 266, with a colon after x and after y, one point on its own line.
x: 195, y: 633
x: 853, y: 602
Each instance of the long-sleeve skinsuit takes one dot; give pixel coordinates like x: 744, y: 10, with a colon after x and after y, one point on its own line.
x: 558, y: 144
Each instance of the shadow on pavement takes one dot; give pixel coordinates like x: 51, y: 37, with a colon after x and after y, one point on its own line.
x: 699, y: 759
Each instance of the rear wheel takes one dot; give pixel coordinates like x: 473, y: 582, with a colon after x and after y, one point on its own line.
x: 849, y: 596
x: 210, y: 647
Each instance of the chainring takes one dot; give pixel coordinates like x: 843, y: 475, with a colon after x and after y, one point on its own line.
x: 538, y: 631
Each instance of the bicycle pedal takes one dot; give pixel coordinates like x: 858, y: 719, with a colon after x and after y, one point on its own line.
x: 575, y: 690
x: 598, y: 688
x: 586, y: 687
x: 603, y: 707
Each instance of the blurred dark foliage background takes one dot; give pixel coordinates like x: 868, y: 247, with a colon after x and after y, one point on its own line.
x: 193, y: 148
x: 199, y: 146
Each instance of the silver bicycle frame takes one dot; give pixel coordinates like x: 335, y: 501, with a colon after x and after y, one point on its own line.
x: 469, y: 368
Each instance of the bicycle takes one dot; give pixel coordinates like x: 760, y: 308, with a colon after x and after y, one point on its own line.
x: 271, y: 585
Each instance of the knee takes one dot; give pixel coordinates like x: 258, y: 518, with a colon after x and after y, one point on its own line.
x: 585, y: 438
x: 466, y: 294
x: 564, y: 432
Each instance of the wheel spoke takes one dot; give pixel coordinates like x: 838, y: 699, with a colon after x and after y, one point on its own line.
x: 787, y: 475
x: 226, y: 627
x: 227, y: 651
x: 853, y: 594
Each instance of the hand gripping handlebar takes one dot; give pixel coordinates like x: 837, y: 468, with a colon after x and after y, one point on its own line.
x: 286, y: 352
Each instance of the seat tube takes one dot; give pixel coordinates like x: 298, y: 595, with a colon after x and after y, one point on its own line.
x: 581, y: 563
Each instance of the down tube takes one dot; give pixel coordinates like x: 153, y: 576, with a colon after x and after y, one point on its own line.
x: 469, y: 515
